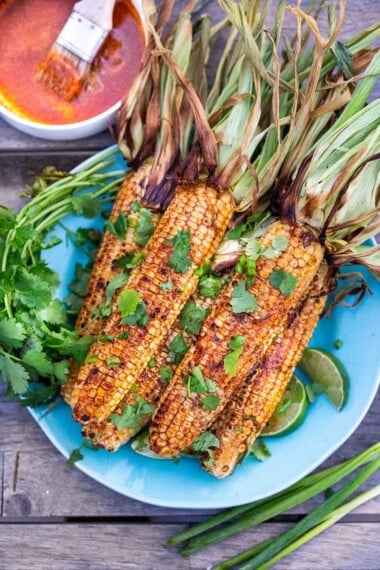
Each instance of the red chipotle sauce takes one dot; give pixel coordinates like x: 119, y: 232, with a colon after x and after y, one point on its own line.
x: 29, y: 28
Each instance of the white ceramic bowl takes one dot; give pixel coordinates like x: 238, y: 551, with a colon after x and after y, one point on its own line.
x: 69, y: 131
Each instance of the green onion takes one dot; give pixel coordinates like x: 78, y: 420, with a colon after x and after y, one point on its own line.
x: 254, y: 513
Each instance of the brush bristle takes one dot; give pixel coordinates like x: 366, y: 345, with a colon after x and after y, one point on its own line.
x: 63, y: 72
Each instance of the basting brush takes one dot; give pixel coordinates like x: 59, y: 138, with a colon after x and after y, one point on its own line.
x: 68, y: 62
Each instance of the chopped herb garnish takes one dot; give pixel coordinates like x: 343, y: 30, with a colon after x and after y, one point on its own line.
x: 192, y: 317
x: 180, y: 260
x: 210, y: 402
x: 166, y: 374
x: 177, y: 349
x: 75, y: 456
x: 138, y: 318
x: 91, y: 359
x: 113, y: 361
x: 283, y: 281
x: 259, y: 450
x: 116, y: 282
x: 128, y: 301
x: 145, y: 227
x: 118, y: 227
x: 132, y: 414
x: 130, y: 260
x: 197, y: 384
x: 204, y: 443
x: 135, y: 207
x: 210, y: 285
x: 231, y: 359
x: 152, y: 363
x: 107, y: 338
x: 204, y: 269
x: 242, y: 300
x: 279, y: 244
x: 166, y: 286
x: 338, y: 344
x: 123, y: 335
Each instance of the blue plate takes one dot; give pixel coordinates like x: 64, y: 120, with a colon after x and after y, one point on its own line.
x: 185, y: 485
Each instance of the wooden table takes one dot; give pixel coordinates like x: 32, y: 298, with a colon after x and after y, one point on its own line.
x: 57, y: 518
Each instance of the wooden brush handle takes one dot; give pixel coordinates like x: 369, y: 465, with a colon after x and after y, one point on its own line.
x: 98, y: 11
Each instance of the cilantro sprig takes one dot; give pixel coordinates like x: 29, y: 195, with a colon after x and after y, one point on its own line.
x: 180, y: 260
x: 36, y: 331
x: 232, y: 358
x: 132, y: 414
x: 242, y: 301
x: 283, y: 281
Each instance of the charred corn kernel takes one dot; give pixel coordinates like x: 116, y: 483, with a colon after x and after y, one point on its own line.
x: 202, y: 214
x: 111, y: 249
x: 188, y: 414
x: 253, y: 403
x: 149, y: 386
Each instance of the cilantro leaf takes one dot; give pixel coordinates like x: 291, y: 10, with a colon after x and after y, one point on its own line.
x: 77, y: 348
x: 86, y: 206
x: 210, y: 285
x: 75, y: 456
x: 113, y: 361
x: 206, y: 440
x: 283, y: 281
x: 7, y: 220
x: 242, y: 300
x: 12, y: 333
x: 210, y: 402
x: 197, y: 384
x: 118, y: 227
x: 138, y: 318
x: 135, y: 207
x: 177, y: 349
x: 39, y: 361
x: 130, y: 260
x: 145, y: 227
x: 128, y: 301
x: 204, y: 444
x: 14, y: 373
x: 132, y: 414
x: 54, y: 313
x: 192, y: 317
x: 259, y: 450
x: 61, y: 370
x: 81, y: 277
x: 231, y: 359
x: 166, y: 374
x: 180, y: 260
x: 116, y: 282
x: 33, y: 292
x: 253, y: 249
x: 39, y: 395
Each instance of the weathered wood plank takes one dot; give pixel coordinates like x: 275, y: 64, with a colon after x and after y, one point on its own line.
x: 50, y: 488
x: 346, y: 546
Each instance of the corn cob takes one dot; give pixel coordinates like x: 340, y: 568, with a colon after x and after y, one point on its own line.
x: 149, y: 386
x: 180, y: 416
x: 253, y: 403
x: 204, y: 213
x: 111, y: 249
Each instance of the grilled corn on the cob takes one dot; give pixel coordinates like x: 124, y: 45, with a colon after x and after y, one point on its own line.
x: 183, y: 414
x: 202, y: 214
x: 105, y: 268
x: 149, y: 387
x: 253, y: 403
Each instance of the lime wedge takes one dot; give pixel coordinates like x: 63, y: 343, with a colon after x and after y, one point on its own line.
x: 324, y: 369
x: 290, y: 412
